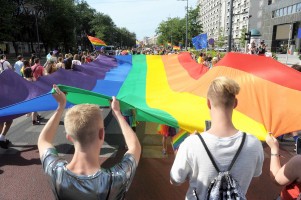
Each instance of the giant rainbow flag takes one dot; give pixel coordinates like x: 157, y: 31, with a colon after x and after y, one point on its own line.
x: 169, y: 89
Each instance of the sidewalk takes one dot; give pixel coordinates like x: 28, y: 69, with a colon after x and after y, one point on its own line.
x: 288, y: 59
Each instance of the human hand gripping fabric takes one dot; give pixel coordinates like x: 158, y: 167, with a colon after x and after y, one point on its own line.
x: 272, y: 142
x: 115, y: 106
x: 59, y: 96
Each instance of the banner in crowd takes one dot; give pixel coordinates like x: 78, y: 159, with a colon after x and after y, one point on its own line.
x: 169, y: 89
x: 176, y: 48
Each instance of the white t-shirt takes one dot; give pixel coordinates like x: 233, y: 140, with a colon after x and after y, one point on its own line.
x: 18, y: 65
x: 192, y: 162
x: 76, y: 62
x: 4, y: 64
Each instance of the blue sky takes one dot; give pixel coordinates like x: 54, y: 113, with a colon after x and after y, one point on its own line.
x: 141, y: 16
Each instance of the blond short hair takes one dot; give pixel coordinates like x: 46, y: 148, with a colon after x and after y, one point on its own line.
x: 222, y: 92
x: 83, y: 122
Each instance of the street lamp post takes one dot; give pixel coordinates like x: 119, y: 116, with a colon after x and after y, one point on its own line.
x: 288, y: 43
x: 230, y: 26
x: 37, y: 34
x: 186, y: 39
x: 37, y: 27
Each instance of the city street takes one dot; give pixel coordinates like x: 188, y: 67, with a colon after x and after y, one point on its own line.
x: 22, y: 177
x: 166, y: 62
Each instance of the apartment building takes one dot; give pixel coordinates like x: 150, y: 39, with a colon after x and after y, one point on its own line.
x: 150, y: 40
x: 281, y: 22
x: 215, y: 17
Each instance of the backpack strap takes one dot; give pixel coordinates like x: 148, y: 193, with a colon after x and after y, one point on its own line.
x: 110, y: 184
x: 234, y: 158
x: 208, y: 153
x: 34, y: 70
x: 2, y: 65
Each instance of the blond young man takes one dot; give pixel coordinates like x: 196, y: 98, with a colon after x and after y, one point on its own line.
x: 83, y: 178
x: 192, y: 162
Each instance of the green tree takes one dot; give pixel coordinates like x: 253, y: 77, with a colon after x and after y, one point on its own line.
x: 7, y: 19
x: 194, y: 25
x: 221, y: 40
x: 58, y: 24
x: 10, y: 20
x: 84, y: 14
x: 102, y: 26
x: 124, y: 38
x: 242, y: 40
x: 172, y: 30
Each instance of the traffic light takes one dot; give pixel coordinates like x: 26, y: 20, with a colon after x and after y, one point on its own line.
x: 248, y: 37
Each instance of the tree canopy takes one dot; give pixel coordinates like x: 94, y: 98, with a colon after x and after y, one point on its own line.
x: 58, y: 24
x: 173, y: 30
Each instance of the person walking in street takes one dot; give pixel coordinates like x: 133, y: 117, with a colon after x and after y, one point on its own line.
x: 223, y: 140
x: 4, y: 64
x: 19, y: 64
x: 166, y: 132
x: 37, y: 69
x: 28, y: 75
x: 83, y: 177
x: 4, y: 127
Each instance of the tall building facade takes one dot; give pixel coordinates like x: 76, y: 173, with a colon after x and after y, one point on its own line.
x: 281, y: 22
x: 215, y: 18
x: 275, y: 21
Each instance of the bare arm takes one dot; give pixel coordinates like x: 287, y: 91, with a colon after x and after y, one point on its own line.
x: 130, y: 136
x: 289, y: 172
x: 286, y: 174
x: 50, y: 129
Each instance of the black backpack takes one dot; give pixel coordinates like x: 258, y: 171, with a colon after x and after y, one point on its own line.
x: 224, y: 186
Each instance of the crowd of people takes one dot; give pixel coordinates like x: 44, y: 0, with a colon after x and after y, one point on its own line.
x: 202, y: 159
x: 32, y: 69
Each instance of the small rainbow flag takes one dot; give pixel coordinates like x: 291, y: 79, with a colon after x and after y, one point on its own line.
x: 137, y: 43
x: 97, y: 43
x: 176, y: 48
x: 179, y: 138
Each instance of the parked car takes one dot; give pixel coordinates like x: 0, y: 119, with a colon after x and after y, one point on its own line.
x: 110, y: 50
x: 221, y: 49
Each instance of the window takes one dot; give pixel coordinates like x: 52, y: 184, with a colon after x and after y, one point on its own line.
x: 284, y: 11
x: 289, y: 10
x: 294, y: 8
x: 281, y: 12
x: 298, y: 7
x: 276, y: 13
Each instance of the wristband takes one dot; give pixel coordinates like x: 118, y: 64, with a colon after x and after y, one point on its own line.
x: 275, y: 154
